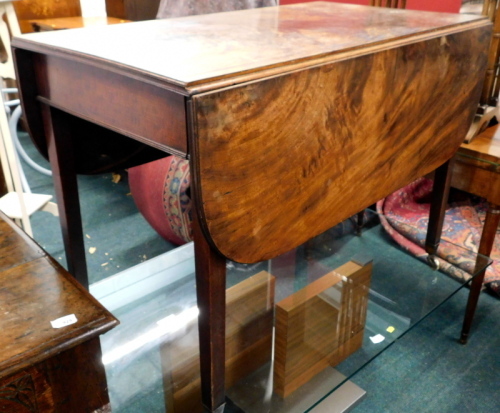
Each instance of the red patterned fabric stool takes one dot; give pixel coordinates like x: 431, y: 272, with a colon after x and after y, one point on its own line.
x: 161, y: 192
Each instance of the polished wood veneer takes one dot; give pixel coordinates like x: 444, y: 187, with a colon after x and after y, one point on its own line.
x: 369, y: 140
x: 293, y: 118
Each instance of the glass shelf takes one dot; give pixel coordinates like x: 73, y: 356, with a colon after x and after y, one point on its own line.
x: 298, y: 326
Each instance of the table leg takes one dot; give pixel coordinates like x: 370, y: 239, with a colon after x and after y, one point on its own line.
x: 360, y: 217
x: 62, y: 160
x: 439, y: 200
x: 211, y: 295
x: 485, y: 247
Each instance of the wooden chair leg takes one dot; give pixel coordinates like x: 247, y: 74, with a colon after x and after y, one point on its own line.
x: 61, y: 155
x: 439, y: 200
x: 211, y: 295
x: 485, y: 247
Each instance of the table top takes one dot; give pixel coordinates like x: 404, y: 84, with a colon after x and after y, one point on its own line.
x: 199, y: 49
x: 485, y: 146
x: 74, y: 22
x: 35, y: 290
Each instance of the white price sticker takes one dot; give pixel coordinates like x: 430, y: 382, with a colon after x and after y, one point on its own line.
x: 377, y: 339
x: 67, y: 320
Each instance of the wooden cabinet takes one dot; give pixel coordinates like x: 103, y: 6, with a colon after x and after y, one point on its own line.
x: 43, y: 367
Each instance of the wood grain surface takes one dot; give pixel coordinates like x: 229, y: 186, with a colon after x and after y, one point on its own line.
x: 104, y: 66
x: 31, y: 9
x: 146, y: 112
x: 14, y: 250
x: 34, y: 292
x: 80, y: 368
x: 49, y: 385
x: 41, y: 366
x: 282, y: 160
x: 477, y: 170
x: 101, y: 147
x: 27, y: 391
x: 485, y: 146
x: 195, y: 50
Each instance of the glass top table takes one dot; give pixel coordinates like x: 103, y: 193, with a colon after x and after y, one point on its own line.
x: 297, y: 327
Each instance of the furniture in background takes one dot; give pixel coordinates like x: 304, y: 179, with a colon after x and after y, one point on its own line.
x: 30, y: 12
x: 18, y: 202
x: 477, y: 171
x: 244, y: 122
x: 27, y: 10
x: 167, y: 206
x: 62, y: 23
x: 488, y: 104
x: 486, y: 113
x: 51, y: 355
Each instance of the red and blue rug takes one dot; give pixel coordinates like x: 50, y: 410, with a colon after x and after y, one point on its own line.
x: 405, y: 214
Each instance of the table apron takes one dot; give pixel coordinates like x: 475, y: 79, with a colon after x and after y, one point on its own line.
x: 135, y: 108
x: 474, y: 177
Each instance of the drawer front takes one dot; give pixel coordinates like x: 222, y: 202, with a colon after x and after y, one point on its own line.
x: 25, y: 392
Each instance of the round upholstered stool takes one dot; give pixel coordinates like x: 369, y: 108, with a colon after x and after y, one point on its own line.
x: 161, y: 192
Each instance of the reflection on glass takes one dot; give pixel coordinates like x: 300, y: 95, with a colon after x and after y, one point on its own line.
x: 320, y: 325
x: 297, y: 327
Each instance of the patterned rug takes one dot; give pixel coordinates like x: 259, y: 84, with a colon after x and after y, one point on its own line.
x: 404, y: 215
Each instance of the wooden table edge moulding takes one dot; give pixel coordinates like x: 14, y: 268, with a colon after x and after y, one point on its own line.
x: 293, y: 118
